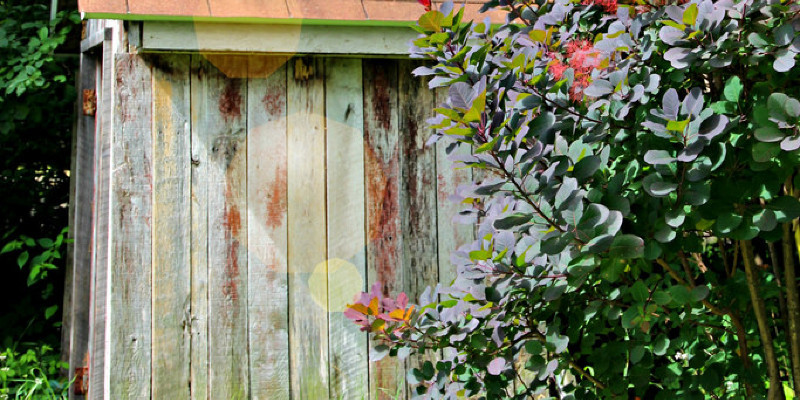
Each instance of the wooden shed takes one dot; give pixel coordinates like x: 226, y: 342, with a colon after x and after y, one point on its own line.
x: 241, y: 169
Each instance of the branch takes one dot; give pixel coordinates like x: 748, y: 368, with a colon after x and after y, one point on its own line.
x: 538, y: 335
x: 686, y: 269
x: 775, y: 387
x: 524, y: 194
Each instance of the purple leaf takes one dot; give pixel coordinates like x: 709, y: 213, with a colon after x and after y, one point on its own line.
x: 679, y: 57
x: 658, y: 157
x: 496, y: 366
x: 670, y: 104
x: 599, y: 88
x: 461, y: 95
x: 784, y: 60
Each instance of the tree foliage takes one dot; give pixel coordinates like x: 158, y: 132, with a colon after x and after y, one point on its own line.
x: 37, y: 98
x: 636, y: 203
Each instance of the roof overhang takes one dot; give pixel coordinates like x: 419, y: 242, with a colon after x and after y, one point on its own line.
x: 280, y: 12
x: 290, y: 39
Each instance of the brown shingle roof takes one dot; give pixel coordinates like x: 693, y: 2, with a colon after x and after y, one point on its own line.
x: 334, y: 10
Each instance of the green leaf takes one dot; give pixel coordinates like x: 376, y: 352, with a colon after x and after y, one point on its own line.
x: 431, y: 21
x: 533, y: 347
x: 727, y: 222
x: 733, y: 89
x: 513, y: 220
x: 757, y: 39
x: 680, y: 295
x: 11, y: 246
x: 626, y: 246
x: 661, y: 345
x: 22, y: 258
x: 770, y: 133
x: 639, y: 291
x: 554, y: 292
x: 699, y: 293
x: 764, y: 152
x: 786, y: 208
x: 661, y: 297
x: 690, y: 14
x: 637, y: 353
x: 630, y: 318
x: 723, y: 107
x: 675, y: 218
x: 50, y: 311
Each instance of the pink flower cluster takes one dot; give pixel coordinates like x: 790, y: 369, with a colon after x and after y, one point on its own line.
x: 582, y: 57
x: 610, y: 6
x: 377, y: 313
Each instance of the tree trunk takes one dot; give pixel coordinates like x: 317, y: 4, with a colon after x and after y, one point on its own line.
x: 792, y: 300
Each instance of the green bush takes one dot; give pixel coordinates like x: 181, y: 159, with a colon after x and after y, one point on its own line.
x: 636, y: 200
x: 34, y: 374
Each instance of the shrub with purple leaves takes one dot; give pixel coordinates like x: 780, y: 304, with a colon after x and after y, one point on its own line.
x: 635, y: 191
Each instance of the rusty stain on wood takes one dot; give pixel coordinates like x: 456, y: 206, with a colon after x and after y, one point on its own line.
x: 276, y: 199
x: 382, y: 170
x: 80, y: 386
x: 274, y: 103
x: 230, y: 102
x: 89, y: 102
x: 220, y: 103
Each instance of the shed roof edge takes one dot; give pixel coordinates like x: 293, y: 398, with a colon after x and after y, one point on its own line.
x: 246, y: 20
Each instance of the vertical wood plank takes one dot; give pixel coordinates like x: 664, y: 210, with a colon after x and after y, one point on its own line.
x: 308, y: 322
x: 171, y: 227
x: 382, y: 175
x: 98, y: 348
x: 79, y: 280
x: 223, y: 121
x: 346, y: 226
x: 131, y: 212
x: 200, y: 145
x: 451, y: 235
x: 268, y: 312
x: 418, y: 200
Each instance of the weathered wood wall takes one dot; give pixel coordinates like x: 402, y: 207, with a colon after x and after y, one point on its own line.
x: 248, y: 199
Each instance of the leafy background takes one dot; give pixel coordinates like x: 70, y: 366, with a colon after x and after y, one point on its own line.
x: 38, y: 63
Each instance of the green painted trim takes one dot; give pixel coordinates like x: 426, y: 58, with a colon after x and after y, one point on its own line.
x: 248, y: 20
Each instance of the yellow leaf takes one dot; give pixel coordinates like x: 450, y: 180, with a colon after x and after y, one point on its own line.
x: 358, y: 307
x: 408, y: 313
x: 373, y: 306
x: 397, y: 314
x: 538, y: 35
x: 690, y: 15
